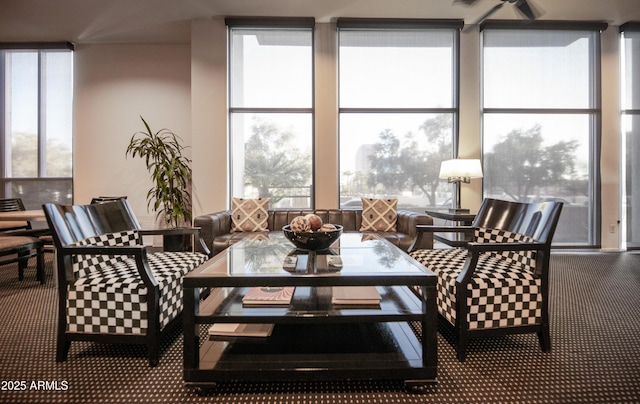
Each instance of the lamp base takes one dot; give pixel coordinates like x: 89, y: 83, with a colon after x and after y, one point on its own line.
x: 459, y: 210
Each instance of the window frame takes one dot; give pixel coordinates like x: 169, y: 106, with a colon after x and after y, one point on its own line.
x: 392, y: 24
x: 6, y: 181
x: 627, y: 112
x: 594, y: 112
x: 270, y: 23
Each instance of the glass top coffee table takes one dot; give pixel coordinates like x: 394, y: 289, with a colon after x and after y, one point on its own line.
x: 312, y: 338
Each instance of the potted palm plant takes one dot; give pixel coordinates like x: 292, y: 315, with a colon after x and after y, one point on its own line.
x: 170, y: 171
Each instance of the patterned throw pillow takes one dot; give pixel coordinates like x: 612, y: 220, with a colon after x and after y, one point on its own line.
x: 249, y: 214
x: 379, y: 214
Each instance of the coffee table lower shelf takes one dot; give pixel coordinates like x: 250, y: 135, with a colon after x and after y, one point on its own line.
x: 337, y: 351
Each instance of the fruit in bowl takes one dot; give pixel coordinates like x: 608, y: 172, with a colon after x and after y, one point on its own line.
x: 299, y: 232
x: 315, y: 221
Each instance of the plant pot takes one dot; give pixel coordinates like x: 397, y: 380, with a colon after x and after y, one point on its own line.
x: 177, y: 242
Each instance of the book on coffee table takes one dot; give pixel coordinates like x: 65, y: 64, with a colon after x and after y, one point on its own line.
x: 240, y: 330
x: 360, y: 296
x: 268, y: 296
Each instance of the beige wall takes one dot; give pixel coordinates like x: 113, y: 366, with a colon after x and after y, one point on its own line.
x: 184, y: 88
x: 610, y: 158
x: 209, y: 115
x: 470, y: 129
x: 326, y: 118
x: 114, y: 86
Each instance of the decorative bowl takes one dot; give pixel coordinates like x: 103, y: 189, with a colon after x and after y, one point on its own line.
x: 312, y: 241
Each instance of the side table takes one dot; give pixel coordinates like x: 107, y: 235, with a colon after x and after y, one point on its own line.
x: 460, y: 219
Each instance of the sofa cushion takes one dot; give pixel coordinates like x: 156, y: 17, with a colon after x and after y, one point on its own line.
x: 249, y: 215
x: 216, y: 227
x: 379, y: 215
x: 400, y: 240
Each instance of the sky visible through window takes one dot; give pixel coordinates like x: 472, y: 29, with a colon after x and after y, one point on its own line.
x: 23, y: 93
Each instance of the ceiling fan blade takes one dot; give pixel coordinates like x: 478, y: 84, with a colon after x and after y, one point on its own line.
x: 527, y: 9
x: 488, y: 13
x: 465, y: 2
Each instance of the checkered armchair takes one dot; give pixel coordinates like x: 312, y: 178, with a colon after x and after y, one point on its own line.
x: 498, y: 283
x: 111, y: 289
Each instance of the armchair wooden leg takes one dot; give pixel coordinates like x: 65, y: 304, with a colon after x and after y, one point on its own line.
x: 40, y: 275
x: 22, y: 264
x: 153, y: 361
x: 461, y: 349
x: 62, y: 349
x: 153, y: 349
x: 544, y: 338
x: 62, y: 343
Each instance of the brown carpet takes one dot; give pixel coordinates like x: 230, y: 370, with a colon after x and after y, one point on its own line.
x: 595, y: 330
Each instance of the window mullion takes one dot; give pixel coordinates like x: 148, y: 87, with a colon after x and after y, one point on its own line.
x: 41, y: 114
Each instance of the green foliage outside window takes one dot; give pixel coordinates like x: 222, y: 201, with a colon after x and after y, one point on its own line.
x: 24, y: 157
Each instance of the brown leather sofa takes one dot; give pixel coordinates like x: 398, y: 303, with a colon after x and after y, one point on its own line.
x: 215, y: 228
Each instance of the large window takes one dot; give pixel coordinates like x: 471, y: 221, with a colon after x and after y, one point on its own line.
x: 35, y: 124
x: 398, y: 105
x: 541, y: 121
x: 271, y: 110
x: 631, y: 133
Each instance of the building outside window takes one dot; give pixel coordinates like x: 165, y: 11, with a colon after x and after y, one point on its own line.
x: 271, y: 110
x: 541, y: 121
x: 398, y: 109
x: 36, y: 87
x: 631, y: 134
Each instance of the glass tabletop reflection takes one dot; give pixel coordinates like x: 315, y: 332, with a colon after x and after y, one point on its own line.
x: 354, y: 254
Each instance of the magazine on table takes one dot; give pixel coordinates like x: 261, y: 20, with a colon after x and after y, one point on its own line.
x: 268, y: 296
x: 355, y: 296
x: 241, y: 330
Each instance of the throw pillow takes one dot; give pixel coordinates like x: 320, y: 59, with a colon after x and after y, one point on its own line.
x: 379, y: 214
x: 249, y: 214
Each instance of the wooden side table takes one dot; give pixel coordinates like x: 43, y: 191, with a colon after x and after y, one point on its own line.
x: 457, y: 239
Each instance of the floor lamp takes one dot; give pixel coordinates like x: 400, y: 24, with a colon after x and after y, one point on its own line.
x: 456, y: 171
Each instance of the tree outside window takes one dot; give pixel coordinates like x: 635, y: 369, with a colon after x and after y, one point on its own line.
x: 36, y: 134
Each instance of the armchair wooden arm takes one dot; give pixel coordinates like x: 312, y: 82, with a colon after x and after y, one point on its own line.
x: 449, y: 229
x: 475, y: 249
x: 430, y: 229
x: 511, y: 246
x: 139, y: 252
x: 194, y: 231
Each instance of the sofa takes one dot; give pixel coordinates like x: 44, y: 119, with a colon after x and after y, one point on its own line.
x: 215, y: 228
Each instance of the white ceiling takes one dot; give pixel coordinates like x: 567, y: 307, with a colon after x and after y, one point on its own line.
x: 167, y: 21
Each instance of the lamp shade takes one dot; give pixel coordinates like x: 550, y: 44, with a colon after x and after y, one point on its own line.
x: 460, y: 169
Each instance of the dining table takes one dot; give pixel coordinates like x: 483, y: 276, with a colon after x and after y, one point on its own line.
x: 22, y: 215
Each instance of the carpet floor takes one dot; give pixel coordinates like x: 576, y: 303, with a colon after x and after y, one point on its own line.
x: 595, y: 357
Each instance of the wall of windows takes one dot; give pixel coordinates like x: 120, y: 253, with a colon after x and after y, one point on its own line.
x: 398, y: 109
x: 541, y: 121
x: 36, y: 124
x: 398, y: 114
x: 631, y: 133
x: 271, y: 110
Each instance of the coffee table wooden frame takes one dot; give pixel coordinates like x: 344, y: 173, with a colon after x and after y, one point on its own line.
x: 306, y: 332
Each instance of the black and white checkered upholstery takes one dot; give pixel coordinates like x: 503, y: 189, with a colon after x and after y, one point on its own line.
x: 109, y: 296
x: 504, y: 290
x: 526, y: 258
